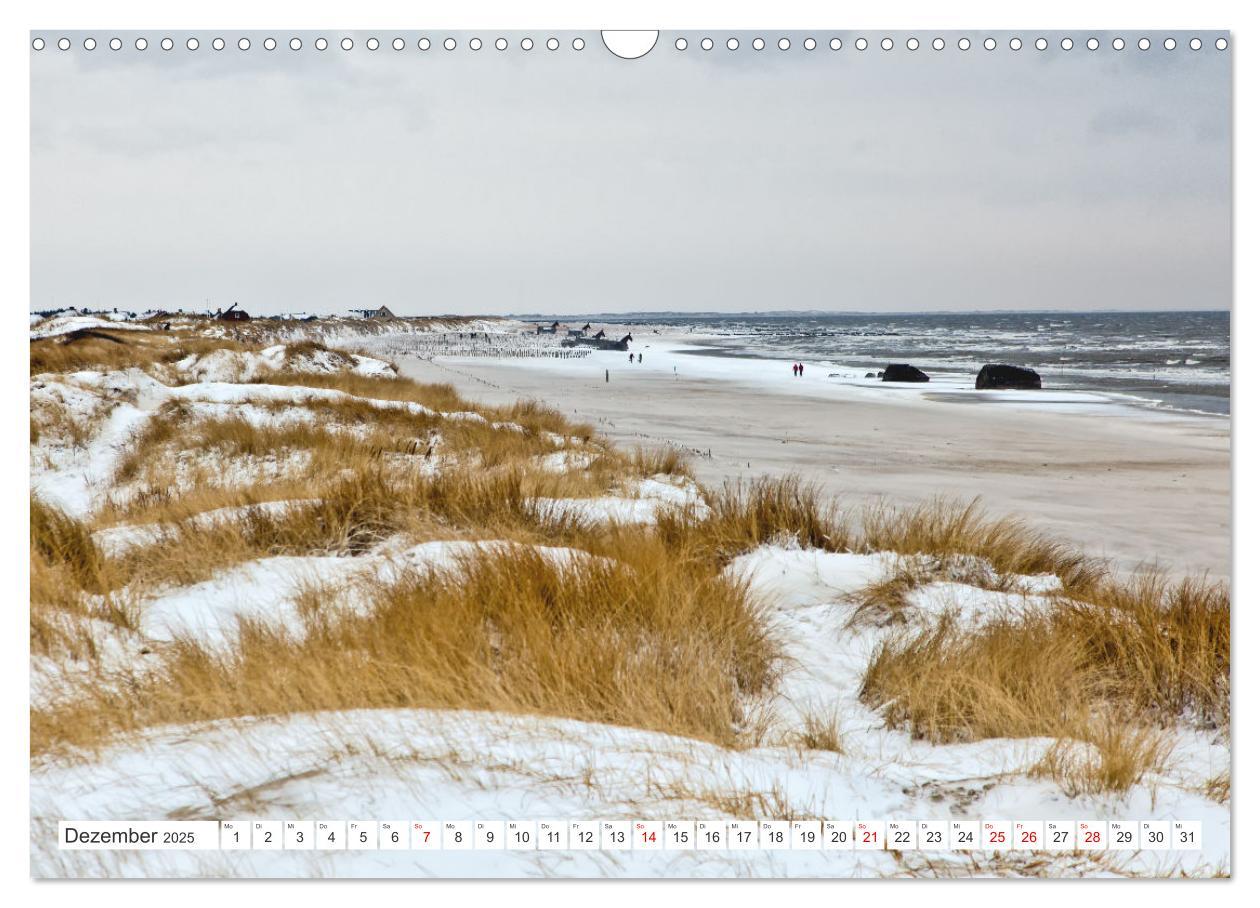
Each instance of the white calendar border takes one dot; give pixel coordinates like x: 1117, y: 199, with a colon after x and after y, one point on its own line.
x: 640, y: 13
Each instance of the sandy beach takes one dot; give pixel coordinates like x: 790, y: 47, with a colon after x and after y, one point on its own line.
x: 1123, y: 482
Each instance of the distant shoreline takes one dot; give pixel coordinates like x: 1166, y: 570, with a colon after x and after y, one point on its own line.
x: 621, y: 317
x: 1136, y: 484
x: 1131, y: 397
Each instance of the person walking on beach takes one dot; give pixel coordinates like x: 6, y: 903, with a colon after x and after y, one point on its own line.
x: 631, y: 357
x: 801, y: 368
x: 796, y: 367
x: 640, y: 357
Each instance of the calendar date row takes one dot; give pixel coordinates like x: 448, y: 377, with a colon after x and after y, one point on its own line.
x: 635, y: 835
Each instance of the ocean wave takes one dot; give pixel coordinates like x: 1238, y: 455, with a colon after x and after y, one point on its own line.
x: 1168, y: 360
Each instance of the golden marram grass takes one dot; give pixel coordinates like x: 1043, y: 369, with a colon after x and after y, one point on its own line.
x: 639, y: 625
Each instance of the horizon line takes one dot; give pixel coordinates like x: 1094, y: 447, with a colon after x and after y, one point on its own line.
x: 640, y: 313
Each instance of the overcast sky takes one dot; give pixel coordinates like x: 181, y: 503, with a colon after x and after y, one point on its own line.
x: 559, y: 182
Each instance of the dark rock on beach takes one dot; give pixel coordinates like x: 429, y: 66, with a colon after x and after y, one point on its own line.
x: 994, y: 376
x: 903, y: 372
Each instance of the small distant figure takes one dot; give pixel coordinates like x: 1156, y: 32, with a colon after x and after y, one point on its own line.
x: 796, y: 369
x: 631, y: 357
x: 802, y: 368
x: 640, y: 357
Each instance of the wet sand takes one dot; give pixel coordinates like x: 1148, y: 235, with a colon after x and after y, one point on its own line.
x: 1120, y: 482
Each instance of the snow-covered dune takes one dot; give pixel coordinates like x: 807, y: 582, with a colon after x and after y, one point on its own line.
x: 441, y: 765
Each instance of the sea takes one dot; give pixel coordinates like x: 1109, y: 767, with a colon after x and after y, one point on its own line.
x: 1165, y: 360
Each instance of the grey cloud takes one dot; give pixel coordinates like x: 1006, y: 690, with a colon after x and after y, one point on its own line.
x: 1129, y: 122
x: 558, y: 181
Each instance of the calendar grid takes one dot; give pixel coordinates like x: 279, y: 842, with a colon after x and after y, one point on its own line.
x: 936, y: 835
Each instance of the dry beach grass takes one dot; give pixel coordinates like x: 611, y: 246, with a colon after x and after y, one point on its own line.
x: 642, y: 627
x: 1142, y: 649
x: 644, y: 641
x: 109, y: 349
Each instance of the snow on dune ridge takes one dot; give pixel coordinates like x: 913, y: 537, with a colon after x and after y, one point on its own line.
x: 77, y: 480
x: 235, y: 365
x: 474, y: 765
x: 266, y: 590
x: 65, y: 324
x: 116, y: 541
x: 640, y: 502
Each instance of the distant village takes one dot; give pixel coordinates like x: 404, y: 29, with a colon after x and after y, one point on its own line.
x: 586, y: 336
x: 233, y: 313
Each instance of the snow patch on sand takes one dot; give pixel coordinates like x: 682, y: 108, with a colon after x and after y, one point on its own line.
x: 564, y: 461
x: 641, y: 506
x: 368, y: 366
x: 115, y: 652
x: 437, y: 765
x: 75, y: 484
x: 243, y: 366
x: 64, y: 324
x: 194, y: 469
x: 118, y: 540
x: 267, y: 590
x: 78, y: 479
